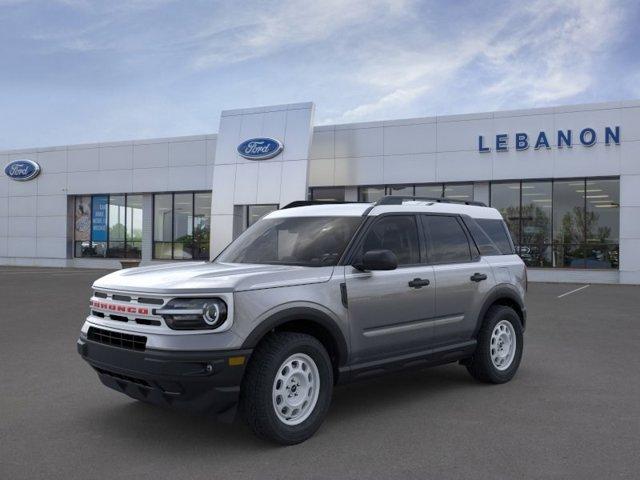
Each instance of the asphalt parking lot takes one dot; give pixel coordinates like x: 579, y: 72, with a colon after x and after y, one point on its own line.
x: 573, y: 410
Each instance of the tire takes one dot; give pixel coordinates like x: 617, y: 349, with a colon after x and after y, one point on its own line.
x: 491, y: 363
x: 261, y: 392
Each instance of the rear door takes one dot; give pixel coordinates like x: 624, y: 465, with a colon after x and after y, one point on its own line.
x: 390, y: 311
x: 462, y: 278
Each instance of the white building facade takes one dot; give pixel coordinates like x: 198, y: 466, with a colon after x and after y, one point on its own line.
x: 566, y: 179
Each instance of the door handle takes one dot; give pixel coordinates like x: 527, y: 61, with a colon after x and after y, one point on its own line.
x: 478, y: 277
x: 419, y: 282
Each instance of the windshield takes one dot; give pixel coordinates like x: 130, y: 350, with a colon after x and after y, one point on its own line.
x: 304, y: 241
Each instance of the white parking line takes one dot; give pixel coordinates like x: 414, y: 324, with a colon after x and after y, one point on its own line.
x: 573, y: 291
x: 51, y: 272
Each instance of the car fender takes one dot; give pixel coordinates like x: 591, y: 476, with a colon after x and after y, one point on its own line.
x: 314, y: 313
x: 501, y: 291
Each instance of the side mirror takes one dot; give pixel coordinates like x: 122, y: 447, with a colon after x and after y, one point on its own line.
x: 378, y: 260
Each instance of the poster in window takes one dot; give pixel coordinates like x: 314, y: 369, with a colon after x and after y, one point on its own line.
x: 99, y: 218
x: 83, y: 219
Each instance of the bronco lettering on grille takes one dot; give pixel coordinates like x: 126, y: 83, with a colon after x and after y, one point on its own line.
x: 112, y: 307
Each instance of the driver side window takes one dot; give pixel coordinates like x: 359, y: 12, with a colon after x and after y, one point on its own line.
x: 397, y: 233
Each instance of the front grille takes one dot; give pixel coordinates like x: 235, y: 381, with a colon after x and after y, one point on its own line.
x: 121, y: 298
x: 152, y: 301
x: 146, y: 321
x: 117, y: 339
x: 126, y: 308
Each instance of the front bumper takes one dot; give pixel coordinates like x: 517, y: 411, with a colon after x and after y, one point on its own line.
x: 203, y: 382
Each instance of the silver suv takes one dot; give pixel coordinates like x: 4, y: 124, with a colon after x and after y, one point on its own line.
x: 308, y: 297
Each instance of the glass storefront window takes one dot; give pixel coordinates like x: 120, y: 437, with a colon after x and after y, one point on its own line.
x: 162, y: 226
x: 401, y: 190
x: 568, y: 212
x: 201, y: 225
x: 603, y: 211
x: 460, y: 191
x: 535, y: 242
x: 82, y: 230
x: 572, y: 223
x: 117, y: 220
x: 455, y: 191
x: 569, y: 223
x: 134, y: 226
x: 328, y: 194
x: 602, y: 223
x: 506, y: 198
x: 182, y: 225
x: 562, y: 223
x: 431, y: 191
x: 370, y: 194
x: 256, y: 212
x: 108, y: 226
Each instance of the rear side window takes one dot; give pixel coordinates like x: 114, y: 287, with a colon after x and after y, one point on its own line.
x: 446, y: 239
x: 485, y: 245
x: 497, y: 232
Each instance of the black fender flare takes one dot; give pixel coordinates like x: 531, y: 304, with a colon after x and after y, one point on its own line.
x: 308, y: 314
x: 498, y: 293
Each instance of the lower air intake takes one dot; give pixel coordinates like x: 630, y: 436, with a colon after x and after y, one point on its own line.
x: 117, y: 339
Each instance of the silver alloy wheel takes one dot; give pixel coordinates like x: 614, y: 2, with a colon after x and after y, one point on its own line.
x: 296, y: 389
x: 503, y: 345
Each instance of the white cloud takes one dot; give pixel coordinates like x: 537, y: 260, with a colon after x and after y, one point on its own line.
x: 245, y: 32
x: 163, y: 67
x: 550, y: 60
x: 397, y: 98
x: 542, y: 52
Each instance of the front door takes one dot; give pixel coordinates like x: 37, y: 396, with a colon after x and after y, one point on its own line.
x: 390, y: 311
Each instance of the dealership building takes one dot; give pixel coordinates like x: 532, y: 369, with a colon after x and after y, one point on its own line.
x: 566, y: 179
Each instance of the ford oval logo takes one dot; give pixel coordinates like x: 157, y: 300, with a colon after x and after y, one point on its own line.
x: 260, y: 148
x: 22, y: 170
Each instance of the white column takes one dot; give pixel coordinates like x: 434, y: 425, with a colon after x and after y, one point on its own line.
x: 630, y: 229
x: 279, y: 180
x: 147, y: 227
x: 351, y: 194
x: 481, y: 192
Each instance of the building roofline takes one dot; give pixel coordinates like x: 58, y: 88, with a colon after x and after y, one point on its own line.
x: 116, y: 143
x: 579, y: 107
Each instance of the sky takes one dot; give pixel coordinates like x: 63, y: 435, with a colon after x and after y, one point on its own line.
x: 80, y: 71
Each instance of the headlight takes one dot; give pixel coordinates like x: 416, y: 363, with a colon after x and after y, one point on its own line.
x: 194, y: 313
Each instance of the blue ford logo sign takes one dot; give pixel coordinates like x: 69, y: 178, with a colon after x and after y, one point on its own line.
x: 22, y: 170
x: 260, y: 148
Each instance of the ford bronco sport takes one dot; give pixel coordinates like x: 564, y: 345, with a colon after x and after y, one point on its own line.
x: 309, y: 297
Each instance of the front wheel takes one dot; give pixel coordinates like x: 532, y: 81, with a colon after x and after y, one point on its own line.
x: 500, y: 345
x: 287, y: 388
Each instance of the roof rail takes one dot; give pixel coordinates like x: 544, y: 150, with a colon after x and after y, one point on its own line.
x: 306, y: 203
x: 400, y: 199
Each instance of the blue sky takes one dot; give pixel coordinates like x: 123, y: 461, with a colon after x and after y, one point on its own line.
x: 77, y: 71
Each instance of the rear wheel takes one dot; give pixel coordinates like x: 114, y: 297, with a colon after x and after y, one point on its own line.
x: 500, y: 345
x: 287, y: 388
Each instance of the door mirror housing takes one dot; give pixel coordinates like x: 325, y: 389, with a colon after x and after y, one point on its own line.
x: 377, y: 260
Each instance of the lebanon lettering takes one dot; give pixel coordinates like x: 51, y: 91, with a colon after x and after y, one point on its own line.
x: 586, y: 137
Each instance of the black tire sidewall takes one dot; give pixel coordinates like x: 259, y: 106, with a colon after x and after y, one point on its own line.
x: 289, y: 434
x: 498, y: 315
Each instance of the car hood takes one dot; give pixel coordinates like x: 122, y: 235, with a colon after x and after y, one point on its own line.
x: 209, y: 277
